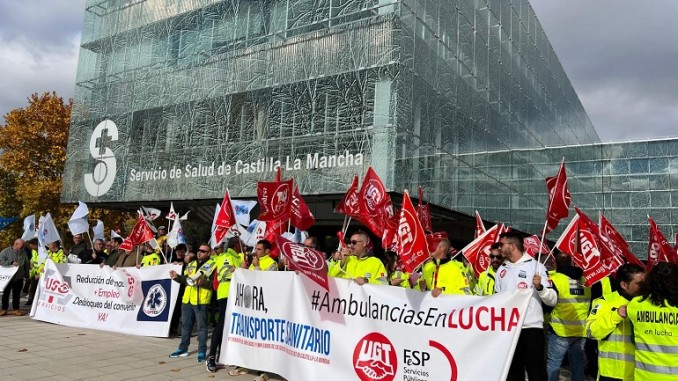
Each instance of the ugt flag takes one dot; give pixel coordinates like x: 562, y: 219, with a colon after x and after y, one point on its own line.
x: 306, y: 260
x: 559, y: 198
x: 411, y: 236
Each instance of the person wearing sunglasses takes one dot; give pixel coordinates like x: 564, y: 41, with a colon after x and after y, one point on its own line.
x: 356, y: 262
x: 485, y: 284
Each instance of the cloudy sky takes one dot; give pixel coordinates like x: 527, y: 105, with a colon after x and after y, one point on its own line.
x: 621, y: 56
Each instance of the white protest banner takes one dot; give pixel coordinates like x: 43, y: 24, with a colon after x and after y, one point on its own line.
x: 6, y: 274
x: 369, y: 332
x: 127, y: 300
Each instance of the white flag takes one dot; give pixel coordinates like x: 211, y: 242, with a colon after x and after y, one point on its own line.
x: 49, y: 231
x: 257, y: 229
x: 185, y: 216
x: 42, y: 251
x: 214, y: 220
x: 78, y: 223
x: 242, y: 210
x: 151, y: 213
x: 172, y: 215
x: 29, y: 228
x: 176, y: 235
x: 116, y: 235
x: 98, y: 230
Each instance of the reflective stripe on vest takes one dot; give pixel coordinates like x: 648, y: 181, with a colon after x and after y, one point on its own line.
x: 616, y: 356
x: 656, y: 368
x: 656, y: 348
x: 568, y: 318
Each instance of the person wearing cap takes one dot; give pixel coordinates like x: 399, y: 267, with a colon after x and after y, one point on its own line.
x: 161, y: 237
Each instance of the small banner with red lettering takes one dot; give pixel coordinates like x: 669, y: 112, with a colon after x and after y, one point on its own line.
x: 534, y: 246
x: 367, y: 333
x: 304, y: 259
x: 478, y: 251
x: 616, y: 243
x: 659, y: 249
x: 580, y: 243
x: 559, y: 198
x: 301, y: 215
x: 350, y: 205
x: 375, y: 203
x: 141, y: 233
x: 412, y: 246
x: 275, y: 200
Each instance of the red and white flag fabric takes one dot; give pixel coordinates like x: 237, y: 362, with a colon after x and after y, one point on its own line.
x: 226, y: 216
x: 275, y: 200
x: 659, y: 249
x: 434, y: 239
x: 412, y: 246
x: 171, y: 215
x: 478, y: 251
x: 559, y: 198
x: 389, y: 239
x: 610, y: 237
x: 610, y: 257
x: 301, y: 215
x: 480, y: 226
x: 580, y: 243
x: 141, y: 233
x: 349, y: 205
x: 304, y: 259
x: 424, y: 212
x: 534, y: 246
x: 375, y: 203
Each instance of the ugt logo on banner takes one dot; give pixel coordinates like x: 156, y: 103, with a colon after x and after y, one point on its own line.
x: 375, y: 359
x: 156, y: 301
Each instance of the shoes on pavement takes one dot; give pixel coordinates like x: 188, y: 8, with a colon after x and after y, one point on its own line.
x: 178, y: 353
x: 201, y: 356
x: 238, y: 371
x: 261, y: 377
x: 211, y: 364
x: 3, y: 312
x: 17, y: 313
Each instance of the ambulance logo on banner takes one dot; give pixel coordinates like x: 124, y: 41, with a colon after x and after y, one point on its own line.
x: 156, y: 302
x: 375, y: 359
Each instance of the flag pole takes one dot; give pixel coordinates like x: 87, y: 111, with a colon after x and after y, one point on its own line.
x: 90, y: 239
x: 543, y: 235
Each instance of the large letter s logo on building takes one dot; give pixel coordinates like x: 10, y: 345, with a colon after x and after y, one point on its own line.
x: 100, y: 181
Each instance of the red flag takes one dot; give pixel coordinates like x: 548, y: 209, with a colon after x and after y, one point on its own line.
x: 533, y: 246
x: 349, y: 205
x: 412, y: 246
x: 140, y: 233
x: 225, y: 216
x: 306, y: 260
x: 478, y: 251
x: 424, y: 213
x: 580, y: 243
x: 480, y: 226
x: 375, y: 204
x: 658, y: 249
x: 610, y: 257
x: 389, y: 239
x: 275, y: 200
x: 559, y: 198
x: 611, y: 238
x: 434, y: 239
x: 302, y: 218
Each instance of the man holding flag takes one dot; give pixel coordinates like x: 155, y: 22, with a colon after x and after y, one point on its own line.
x: 356, y: 262
x: 441, y: 275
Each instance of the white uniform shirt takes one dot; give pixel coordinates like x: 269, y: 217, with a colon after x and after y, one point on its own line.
x: 511, y: 276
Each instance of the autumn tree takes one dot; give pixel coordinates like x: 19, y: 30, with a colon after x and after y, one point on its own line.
x: 32, y: 156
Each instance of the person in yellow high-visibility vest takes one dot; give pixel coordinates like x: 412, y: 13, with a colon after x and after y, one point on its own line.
x: 568, y: 319
x: 485, y: 284
x: 441, y: 275
x: 607, y: 324
x: 654, y: 316
x: 226, y: 263
x: 195, y: 301
x: 357, y: 263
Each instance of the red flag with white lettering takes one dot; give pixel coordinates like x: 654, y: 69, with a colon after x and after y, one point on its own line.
x: 349, y: 205
x: 611, y: 237
x: 375, y: 203
x: 424, y: 212
x: 581, y: 244
x: 275, y: 200
x: 610, y: 257
x: 559, y: 198
x: 141, y: 233
x: 306, y: 260
x: 480, y: 226
x: 533, y: 246
x: 226, y: 216
x: 658, y: 249
x: 412, y: 246
x: 302, y: 218
x: 478, y: 251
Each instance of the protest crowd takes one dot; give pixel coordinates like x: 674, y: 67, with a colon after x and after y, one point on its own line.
x: 613, y: 317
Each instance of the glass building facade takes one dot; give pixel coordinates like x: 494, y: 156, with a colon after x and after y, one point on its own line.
x: 181, y: 99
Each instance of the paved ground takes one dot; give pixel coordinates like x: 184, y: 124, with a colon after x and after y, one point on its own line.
x: 34, y: 350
